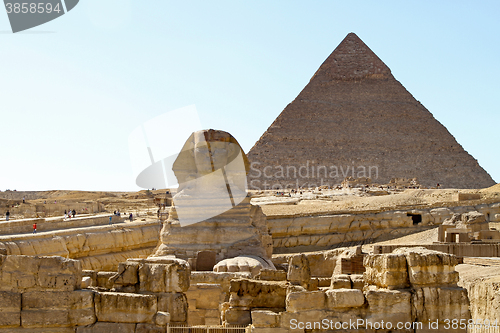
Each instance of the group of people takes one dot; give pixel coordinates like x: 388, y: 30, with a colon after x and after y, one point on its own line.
x: 71, y: 213
x: 117, y: 213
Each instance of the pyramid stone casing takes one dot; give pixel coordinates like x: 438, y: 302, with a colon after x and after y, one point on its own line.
x: 355, y: 119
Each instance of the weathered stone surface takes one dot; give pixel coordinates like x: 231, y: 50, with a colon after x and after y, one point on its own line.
x: 271, y: 275
x: 358, y: 281
x: 164, y: 274
x: 202, y: 205
x: 389, y: 305
x: 304, y: 301
x: 175, y: 304
x: 439, y: 215
x: 100, y: 327
x: 125, y: 308
x: 257, y: 293
x: 103, y: 279
x: 234, y: 316
x: 341, y: 281
x: 58, y: 308
x: 162, y: 318
x: 429, y: 268
x: 265, y: 318
x: 27, y: 273
x: 484, y: 298
x: 10, y: 309
x: 127, y: 274
x: 334, y: 115
x: 344, y: 298
x: 431, y: 303
x: 100, y: 248
x: 386, y: 270
x: 298, y: 270
x: 207, y: 296
x: 149, y: 328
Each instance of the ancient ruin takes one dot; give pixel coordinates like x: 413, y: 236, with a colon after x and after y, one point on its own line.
x: 371, y: 255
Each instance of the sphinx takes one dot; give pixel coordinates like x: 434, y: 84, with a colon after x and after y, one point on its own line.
x: 211, y: 210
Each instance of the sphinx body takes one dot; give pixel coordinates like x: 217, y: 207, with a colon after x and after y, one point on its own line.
x: 212, y: 211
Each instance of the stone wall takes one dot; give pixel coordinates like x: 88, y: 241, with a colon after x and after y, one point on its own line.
x: 25, y: 226
x: 97, y: 248
x: 407, y: 286
x: 320, y: 232
x: 42, y: 294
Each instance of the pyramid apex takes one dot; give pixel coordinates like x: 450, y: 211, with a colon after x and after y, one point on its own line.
x: 352, y: 59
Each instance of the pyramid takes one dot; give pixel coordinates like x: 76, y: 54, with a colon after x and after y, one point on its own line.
x: 354, y: 119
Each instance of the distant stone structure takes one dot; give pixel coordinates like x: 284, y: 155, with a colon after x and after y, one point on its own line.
x: 354, y: 119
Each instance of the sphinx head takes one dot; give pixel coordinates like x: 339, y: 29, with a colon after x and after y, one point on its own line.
x: 207, y: 151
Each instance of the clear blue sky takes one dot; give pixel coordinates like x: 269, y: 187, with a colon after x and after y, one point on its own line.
x: 72, y: 90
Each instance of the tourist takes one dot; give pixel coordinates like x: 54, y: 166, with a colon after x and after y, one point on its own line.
x: 7, y: 216
x: 110, y: 219
x: 65, y: 214
x: 24, y: 200
x: 130, y: 217
x: 34, y: 228
x: 74, y: 213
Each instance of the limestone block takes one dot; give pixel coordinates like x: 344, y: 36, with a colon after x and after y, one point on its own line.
x: 340, y: 281
x: 358, y: 281
x: 321, y: 264
x: 209, y: 296
x: 386, y: 270
x: 149, y: 328
x: 429, y: 268
x: 164, y: 277
x: 304, y: 301
x: 175, y: 304
x: 86, y: 282
x: 389, y: 305
x: 10, y: 309
x: 298, y: 270
x: 196, y: 317
x: 125, y: 308
x: 162, y: 318
x: 26, y: 273
x: 212, y: 321
x: 127, y: 274
x: 265, y: 318
x: 221, y: 278
x: 473, y: 217
x: 235, y: 316
x: 484, y: 298
x: 101, y: 327
x: 324, y: 282
x: 257, y: 293
x: 440, y: 214
x: 103, y: 279
x: 433, y: 303
x: 58, y: 308
x: 271, y: 275
x: 344, y: 298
